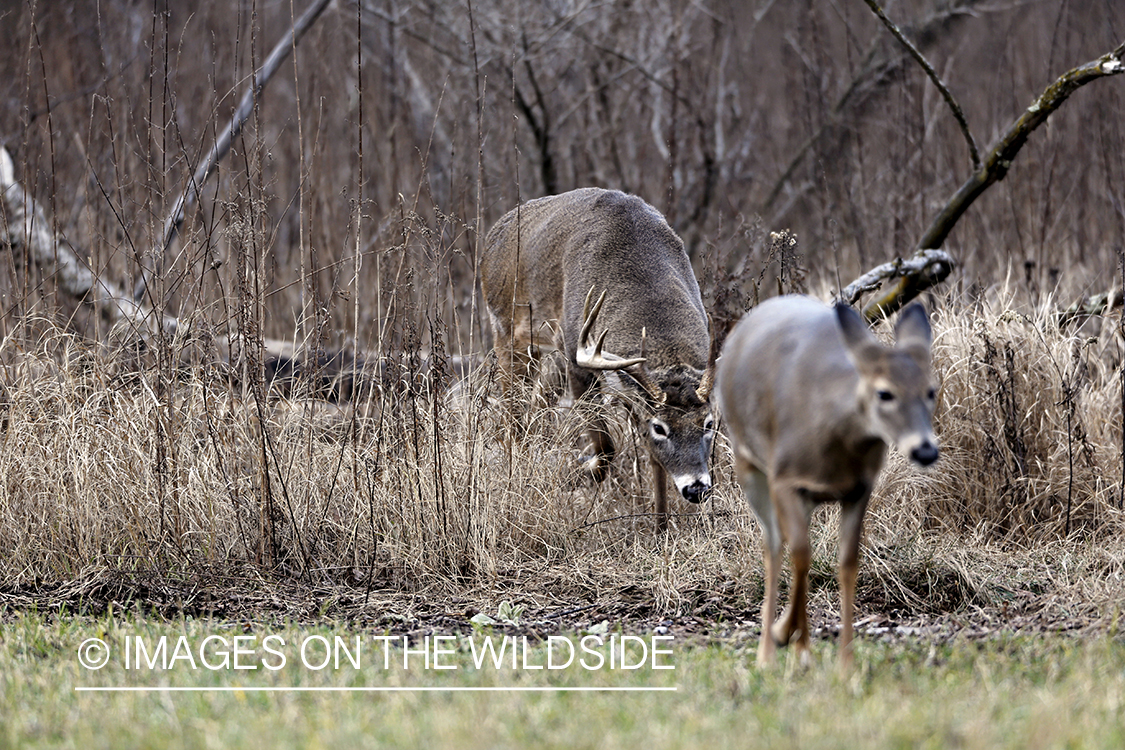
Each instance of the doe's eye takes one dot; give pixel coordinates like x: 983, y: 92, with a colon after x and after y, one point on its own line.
x: 885, y: 395
x: 931, y: 394
x: 709, y: 423
x: 659, y: 430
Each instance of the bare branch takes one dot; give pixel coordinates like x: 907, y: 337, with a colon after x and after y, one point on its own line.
x: 923, y: 270
x: 24, y: 224
x: 1000, y: 155
x: 222, y: 144
x: 930, y: 266
x: 945, y: 93
x: 1092, y: 306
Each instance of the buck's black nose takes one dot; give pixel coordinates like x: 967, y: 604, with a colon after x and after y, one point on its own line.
x: 924, y: 454
x: 696, y: 492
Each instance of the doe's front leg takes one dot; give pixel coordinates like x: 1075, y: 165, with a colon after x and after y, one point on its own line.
x: 851, y: 529
x: 756, y: 488
x: 794, y: 512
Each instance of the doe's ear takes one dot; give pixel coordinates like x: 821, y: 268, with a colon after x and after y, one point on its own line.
x: 913, y: 328
x: 854, y: 330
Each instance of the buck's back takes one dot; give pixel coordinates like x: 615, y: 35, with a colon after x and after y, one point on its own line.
x: 610, y: 241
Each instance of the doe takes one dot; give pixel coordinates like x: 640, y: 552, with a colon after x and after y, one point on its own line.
x: 810, y: 400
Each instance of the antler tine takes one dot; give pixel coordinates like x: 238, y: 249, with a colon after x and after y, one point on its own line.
x: 594, y: 358
x: 598, y: 346
x: 707, y: 380
x: 587, y: 318
x: 654, y: 393
x: 706, y: 383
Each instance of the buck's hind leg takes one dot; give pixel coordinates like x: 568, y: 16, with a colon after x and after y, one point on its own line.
x: 756, y: 488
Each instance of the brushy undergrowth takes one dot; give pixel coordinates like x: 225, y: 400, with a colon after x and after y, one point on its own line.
x: 351, y: 212
x: 438, y: 481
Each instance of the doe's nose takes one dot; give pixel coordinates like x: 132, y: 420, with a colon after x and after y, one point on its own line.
x: 696, y: 492
x: 924, y: 454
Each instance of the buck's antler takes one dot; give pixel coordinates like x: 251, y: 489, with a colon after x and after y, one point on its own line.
x: 707, y: 381
x: 593, y: 358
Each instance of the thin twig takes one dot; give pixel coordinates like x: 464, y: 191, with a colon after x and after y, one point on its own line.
x: 873, y: 77
x: 945, y: 93
x: 715, y: 514
x: 1004, y: 151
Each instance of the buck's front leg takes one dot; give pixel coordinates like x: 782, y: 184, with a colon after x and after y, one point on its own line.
x: 660, y: 491
x: 602, y: 450
x: 583, y: 388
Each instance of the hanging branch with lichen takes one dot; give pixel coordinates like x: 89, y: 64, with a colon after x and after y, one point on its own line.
x: 930, y: 265
x: 1000, y: 155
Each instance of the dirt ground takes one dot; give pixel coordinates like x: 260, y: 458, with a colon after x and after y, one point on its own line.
x: 256, y: 602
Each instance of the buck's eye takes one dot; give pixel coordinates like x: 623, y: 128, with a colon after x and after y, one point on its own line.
x: 931, y: 395
x: 885, y: 395
x: 709, y: 423
x: 659, y: 430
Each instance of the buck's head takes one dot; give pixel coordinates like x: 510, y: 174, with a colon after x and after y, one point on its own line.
x: 681, y: 426
x: 895, y: 391
x: 675, y: 405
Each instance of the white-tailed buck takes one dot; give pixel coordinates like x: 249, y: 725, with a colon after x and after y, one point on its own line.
x: 557, y: 267
x: 811, y: 399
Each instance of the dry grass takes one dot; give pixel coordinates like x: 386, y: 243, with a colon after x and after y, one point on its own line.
x: 1030, y: 419
x: 430, y: 487
x: 101, y: 473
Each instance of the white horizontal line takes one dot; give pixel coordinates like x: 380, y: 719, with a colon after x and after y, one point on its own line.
x: 285, y: 689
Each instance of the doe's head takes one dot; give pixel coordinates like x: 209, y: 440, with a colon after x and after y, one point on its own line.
x: 896, y: 390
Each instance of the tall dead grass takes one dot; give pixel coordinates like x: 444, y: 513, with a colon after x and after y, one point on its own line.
x: 428, y: 481
x: 1029, y: 414
x: 416, y: 483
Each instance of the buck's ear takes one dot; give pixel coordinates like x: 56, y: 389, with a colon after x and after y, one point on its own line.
x: 913, y: 328
x: 854, y: 330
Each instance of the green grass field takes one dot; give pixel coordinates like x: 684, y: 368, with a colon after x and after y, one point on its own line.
x: 1004, y: 692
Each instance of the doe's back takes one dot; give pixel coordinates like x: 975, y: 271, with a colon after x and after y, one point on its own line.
x: 785, y: 375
